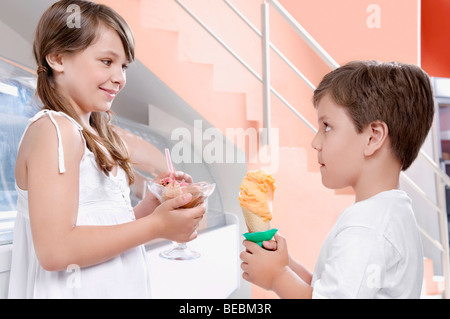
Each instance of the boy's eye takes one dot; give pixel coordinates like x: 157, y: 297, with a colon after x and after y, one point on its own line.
x: 107, y: 62
x: 327, y: 127
x: 125, y: 67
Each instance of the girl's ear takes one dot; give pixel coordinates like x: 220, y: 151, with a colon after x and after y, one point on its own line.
x: 55, y: 61
x: 377, y: 133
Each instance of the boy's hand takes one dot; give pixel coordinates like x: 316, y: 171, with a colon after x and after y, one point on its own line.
x: 270, y: 245
x: 263, y: 267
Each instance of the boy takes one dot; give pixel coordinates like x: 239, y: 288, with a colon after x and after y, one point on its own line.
x: 373, y: 119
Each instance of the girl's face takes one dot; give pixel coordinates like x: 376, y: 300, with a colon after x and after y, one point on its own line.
x: 340, y: 148
x: 92, y: 78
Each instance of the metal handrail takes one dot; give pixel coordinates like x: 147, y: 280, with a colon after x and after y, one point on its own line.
x: 218, y: 39
x: 333, y: 65
x: 326, y: 57
x: 422, y: 194
x: 320, y: 51
x: 432, y: 164
x: 272, y: 46
x: 443, y: 246
x: 304, y: 34
x: 248, y: 67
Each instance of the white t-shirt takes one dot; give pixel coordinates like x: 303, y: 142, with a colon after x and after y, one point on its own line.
x: 373, y: 251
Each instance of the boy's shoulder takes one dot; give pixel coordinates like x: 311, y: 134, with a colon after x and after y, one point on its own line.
x: 388, y: 214
x: 378, y: 212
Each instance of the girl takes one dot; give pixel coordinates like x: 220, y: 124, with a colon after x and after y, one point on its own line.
x: 76, y: 233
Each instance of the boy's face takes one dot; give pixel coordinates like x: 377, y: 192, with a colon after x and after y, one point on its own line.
x: 340, y: 148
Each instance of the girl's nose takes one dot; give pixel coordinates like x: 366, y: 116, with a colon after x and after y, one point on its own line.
x: 119, y: 77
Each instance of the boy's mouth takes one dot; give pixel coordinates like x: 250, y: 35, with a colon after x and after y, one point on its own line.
x: 320, y: 163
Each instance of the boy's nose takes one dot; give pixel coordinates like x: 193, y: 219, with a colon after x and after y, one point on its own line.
x: 315, y: 143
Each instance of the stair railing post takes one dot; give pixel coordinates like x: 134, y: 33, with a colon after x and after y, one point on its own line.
x: 265, y: 134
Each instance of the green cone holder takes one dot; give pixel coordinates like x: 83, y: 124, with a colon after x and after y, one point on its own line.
x: 260, y: 236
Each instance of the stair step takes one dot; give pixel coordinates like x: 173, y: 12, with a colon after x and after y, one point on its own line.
x: 196, y: 45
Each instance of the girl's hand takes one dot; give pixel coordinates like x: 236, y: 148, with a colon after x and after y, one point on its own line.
x: 178, y: 175
x: 263, y: 267
x: 148, y: 204
x: 177, y: 224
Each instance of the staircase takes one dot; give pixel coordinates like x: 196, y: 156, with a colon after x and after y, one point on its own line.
x: 177, y: 50
x: 195, y: 66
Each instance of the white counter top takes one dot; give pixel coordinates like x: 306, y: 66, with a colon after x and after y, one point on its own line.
x: 216, y: 274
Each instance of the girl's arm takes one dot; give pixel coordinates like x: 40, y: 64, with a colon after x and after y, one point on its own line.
x: 144, y: 156
x: 53, y: 207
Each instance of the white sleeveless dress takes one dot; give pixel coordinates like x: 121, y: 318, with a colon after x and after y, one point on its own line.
x: 103, y: 200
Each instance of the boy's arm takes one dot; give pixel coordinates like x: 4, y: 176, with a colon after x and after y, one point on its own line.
x: 295, y: 266
x: 300, y: 270
x: 288, y: 285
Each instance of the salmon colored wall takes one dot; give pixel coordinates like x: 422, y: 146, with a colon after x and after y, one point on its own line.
x: 341, y: 27
x: 200, y: 71
x: 435, y: 37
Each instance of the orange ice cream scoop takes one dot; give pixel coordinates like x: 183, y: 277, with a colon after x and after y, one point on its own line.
x: 256, y: 195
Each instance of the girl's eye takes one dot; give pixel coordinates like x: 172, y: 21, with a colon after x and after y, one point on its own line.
x: 125, y: 67
x: 107, y: 62
x: 327, y: 127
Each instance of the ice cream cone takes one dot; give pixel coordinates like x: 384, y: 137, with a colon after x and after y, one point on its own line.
x: 255, y: 198
x: 255, y: 223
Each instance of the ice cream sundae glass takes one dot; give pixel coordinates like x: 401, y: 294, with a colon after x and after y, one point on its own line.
x: 169, y: 188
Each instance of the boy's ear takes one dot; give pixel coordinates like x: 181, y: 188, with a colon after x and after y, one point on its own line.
x: 55, y: 61
x: 377, y: 133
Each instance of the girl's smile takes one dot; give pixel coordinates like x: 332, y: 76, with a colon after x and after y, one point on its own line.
x: 110, y: 93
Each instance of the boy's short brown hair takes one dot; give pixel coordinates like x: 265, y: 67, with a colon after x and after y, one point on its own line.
x: 398, y: 94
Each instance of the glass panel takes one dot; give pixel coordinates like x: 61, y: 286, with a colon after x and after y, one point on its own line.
x: 199, y: 171
x: 17, y: 105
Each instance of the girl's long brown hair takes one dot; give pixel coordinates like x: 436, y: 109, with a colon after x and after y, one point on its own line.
x: 57, y: 33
